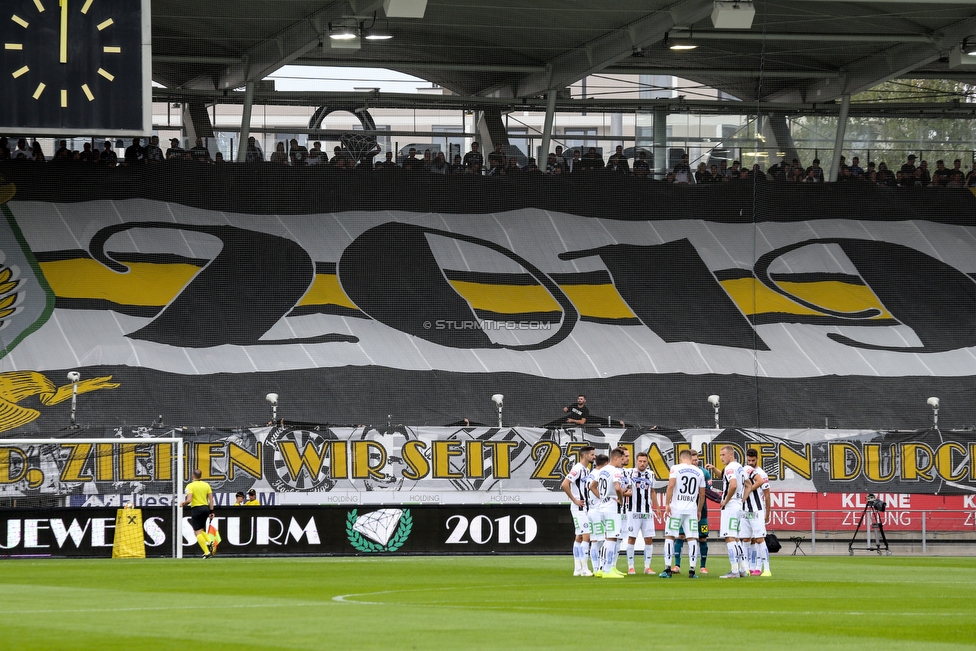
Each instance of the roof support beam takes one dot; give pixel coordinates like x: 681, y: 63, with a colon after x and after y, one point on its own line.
x: 592, y: 57
x: 712, y: 35
x: 895, y: 62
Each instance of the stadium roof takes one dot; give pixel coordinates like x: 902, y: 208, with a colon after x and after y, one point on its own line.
x: 797, y: 51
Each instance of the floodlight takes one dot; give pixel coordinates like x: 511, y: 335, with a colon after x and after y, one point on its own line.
x: 498, y: 399
x: 272, y: 399
x: 713, y: 400
x: 733, y: 14
x: 74, y: 377
x: 933, y: 402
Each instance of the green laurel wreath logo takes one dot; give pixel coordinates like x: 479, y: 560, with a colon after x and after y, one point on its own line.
x: 367, y: 546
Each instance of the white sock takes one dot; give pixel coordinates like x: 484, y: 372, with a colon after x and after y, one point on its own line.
x: 733, y: 556
x: 743, y: 558
x: 630, y: 556
x: 584, y: 553
x: 595, y: 554
x: 668, y: 553
x: 752, y: 556
x: 692, y: 554
x: 648, y: 554
x: 763, y: 556
x: 576, y: 551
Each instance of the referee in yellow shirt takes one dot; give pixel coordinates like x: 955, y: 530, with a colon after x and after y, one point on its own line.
x: 200, y: 499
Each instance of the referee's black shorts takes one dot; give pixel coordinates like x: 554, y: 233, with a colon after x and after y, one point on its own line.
x: 198, y: 517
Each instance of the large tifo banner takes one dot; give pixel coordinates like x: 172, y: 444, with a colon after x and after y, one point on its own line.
x: 185, y: 298
x: 471, y: 465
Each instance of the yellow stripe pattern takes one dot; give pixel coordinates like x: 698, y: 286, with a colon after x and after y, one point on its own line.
x: 150, y: 284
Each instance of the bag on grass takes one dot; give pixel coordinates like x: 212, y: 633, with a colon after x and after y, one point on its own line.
x: 772, y: 543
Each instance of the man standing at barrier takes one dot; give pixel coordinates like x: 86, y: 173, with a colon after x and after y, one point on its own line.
x: 640, y: 512
x: 607, y: 487
x: 578, y: 413
x: 755, y: 515
x: 732, y: 490
x: 200, y: 499
x: 574, y: 485
x: 682, y: 506
x: 702, y: 524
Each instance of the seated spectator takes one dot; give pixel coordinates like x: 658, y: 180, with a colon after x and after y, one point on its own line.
x: 591, y: 161
x: 723, y: 169
x: 885, y: 176
x: 154, y: 154
x: 642, y: 164
x: 427, y: 160
x: 735, y: 172
x: 387, y: 165
x: 670, y: 178
x: 779, y: 171
x: 62, y: 151
x: 844, y: 175
x: 316, y: 156
x: 856, y: 170
x: 618, y: 162
x: 37, y: 155
x: 811, y: 176
x: 218, y: 158
x: 474, y: 156
x: 135, y: 154
x: 715, y: 176
x: 107, y: 156
x: 926, y: 178
x: 253, y: 153
x: 744, y: 175
x: 971, y: 179
x: 494, y: 169
x: 796, y: 174
x: 957, y: 177
x: 199, y: 153
x: 871, y: 170
x: 457, y: 167
x: 532, y: 168
x: 297, y: 154
x: 701, y: 174
x: 642, y: 173
x: 561, y: 158
x: 474, y: 169
x: 498, y: 156
x: 553, y: 162
x: 909, y: 167
x: 96, y: 156
x: 64, y: 155
x: 818, y: 172
x: 4, y: 148
x: 174, y: 152
x: 682, y: 170
x: 757, y: 173
x: 336, y: 154
x: 575, y: 165
x: 279, y: 156
x: 440, y: 166
x: 366, y: 162
x: 940, y: 177
x: 513, y: 167
x: 411, y: 163
x: 22, y: 153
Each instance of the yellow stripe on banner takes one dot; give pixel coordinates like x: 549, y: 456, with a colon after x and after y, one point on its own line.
x: 973, y: 190
x: 598, y: 301
x: 829, y: 294
x: 325, y: 290
x: 146, y: 283
x: 506, y: 299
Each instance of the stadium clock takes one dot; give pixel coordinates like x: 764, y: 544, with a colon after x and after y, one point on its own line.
x: 75, y: 67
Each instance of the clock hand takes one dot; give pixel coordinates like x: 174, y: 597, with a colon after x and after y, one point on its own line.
x: 64, y: 31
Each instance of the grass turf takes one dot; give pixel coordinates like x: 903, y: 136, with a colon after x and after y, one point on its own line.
x: 864, y: 602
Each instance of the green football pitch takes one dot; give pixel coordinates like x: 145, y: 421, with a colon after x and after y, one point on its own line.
x: 864, y: 602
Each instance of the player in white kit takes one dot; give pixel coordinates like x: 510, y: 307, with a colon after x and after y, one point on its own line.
x: 605, y: 484
x: 733, y: 478
x: 682, y: 507
x: 640, y: 512
x: 755, y: 515
x: 597, y: 536
x: 575, y: 486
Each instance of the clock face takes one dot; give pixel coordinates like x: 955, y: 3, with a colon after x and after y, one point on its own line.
x: 73, y: 66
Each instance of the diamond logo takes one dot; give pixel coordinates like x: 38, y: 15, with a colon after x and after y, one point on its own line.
x: 384, y: 530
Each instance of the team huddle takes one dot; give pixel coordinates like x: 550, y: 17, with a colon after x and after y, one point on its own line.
x: 611, y: 502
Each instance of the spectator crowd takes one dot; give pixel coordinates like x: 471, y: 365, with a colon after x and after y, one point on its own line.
x: 498, y: 164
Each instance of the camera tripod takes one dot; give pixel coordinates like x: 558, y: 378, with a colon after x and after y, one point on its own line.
x: 874, y: 521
